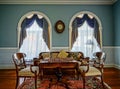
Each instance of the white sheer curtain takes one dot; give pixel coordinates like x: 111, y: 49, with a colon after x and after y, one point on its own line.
x: 85, y: 41
x: 34, y: 43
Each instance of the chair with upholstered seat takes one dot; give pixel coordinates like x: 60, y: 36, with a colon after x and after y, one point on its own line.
x: 24, y: 71
x: 85, y: 69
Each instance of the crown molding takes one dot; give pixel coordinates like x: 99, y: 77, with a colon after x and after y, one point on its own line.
x: 91, y: 2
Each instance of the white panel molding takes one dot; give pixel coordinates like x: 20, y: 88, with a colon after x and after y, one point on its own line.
x: 111, y: 47
x: 4, y: 48
x: 6, y: 56
x: 98, y: 2
x: 60, y: 48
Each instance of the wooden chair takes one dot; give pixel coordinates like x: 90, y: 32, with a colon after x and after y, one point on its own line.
x: 24, y: 71
x: 85, y: 69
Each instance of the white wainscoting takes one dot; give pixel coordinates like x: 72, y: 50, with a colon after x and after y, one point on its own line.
x: 6, y: 61
x: 112, y: 59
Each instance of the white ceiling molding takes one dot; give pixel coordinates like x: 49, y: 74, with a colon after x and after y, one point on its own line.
x: 98, y: 2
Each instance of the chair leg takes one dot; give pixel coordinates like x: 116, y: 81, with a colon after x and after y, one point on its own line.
x: 102, y: 81
x: 78, y: 76
x: 83, y: 82
x: 35, y: 82
x: 17, y: 82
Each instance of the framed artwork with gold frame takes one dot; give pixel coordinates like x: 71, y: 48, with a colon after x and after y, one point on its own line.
x: 59, y: 26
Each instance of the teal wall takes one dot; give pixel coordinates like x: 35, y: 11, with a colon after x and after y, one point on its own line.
x: 11, y: 14
x: 116, y: 9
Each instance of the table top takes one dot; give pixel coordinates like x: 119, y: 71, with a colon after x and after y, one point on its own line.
x: 58, y: 63
x: 57, y: 60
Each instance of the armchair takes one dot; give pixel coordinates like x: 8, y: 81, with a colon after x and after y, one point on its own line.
x: 85, y: 69
x: 22, y: 70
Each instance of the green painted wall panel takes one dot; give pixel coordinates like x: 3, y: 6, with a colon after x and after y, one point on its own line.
x: 11, y: 14
x: 116, y: 9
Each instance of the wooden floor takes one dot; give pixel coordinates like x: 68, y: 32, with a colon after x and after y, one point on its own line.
x: 111, y: 77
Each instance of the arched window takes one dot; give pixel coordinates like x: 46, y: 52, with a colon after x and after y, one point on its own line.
x: 85, y: 34
x: 34, y: 35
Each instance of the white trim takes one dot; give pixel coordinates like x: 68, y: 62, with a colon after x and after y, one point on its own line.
x: 117, y: 66
x: 39, y: 13
x: 98, y: 2
x: 8, y: 48
x: 111, y: 47
x: 6, y: 59
x: 59, y: 48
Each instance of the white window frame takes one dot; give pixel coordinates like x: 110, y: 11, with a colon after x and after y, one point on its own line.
x: 84, y: 12
x: 38, y: 13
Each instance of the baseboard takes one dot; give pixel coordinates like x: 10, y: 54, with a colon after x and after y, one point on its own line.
x: 117, y: 66
x: 109, y: 65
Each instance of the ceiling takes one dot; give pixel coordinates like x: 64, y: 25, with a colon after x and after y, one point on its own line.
x: 101, y: 2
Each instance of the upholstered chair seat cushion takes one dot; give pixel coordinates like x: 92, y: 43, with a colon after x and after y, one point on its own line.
x: 27, y: 72
x: 91, y: 72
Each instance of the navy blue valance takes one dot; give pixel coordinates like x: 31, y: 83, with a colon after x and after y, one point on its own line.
x: 27, y: 22
x: 91, y: 21
x: 78, y: 22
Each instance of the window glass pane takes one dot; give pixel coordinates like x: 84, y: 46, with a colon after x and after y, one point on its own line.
x: 34, y: 43
x: 85, y: 41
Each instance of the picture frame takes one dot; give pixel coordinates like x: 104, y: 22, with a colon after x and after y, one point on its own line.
x: 59, y: 26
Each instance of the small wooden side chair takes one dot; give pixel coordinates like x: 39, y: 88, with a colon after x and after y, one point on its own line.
x: 24, y: 71
x: 85, y: 69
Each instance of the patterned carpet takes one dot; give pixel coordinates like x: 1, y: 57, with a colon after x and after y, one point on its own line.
x: 92, y: 83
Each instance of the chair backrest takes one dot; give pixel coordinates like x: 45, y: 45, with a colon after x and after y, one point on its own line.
x: 54, y: 54
x: 19, y: 61
x: 101, y: 56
